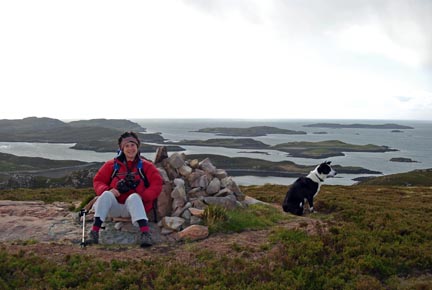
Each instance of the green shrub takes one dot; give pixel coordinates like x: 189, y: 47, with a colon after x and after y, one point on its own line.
x: 253, y: 217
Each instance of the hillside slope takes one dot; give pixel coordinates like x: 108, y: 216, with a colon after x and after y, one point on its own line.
x: 362, y: 237
x: 420, y: 177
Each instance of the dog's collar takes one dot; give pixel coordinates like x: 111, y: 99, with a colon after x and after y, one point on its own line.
x: 315, y: 177
x: 322, y: 180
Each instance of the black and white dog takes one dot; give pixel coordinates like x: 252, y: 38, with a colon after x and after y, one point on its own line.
x: 306, y: 187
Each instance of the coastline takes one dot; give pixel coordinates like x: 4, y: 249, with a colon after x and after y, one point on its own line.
x: 413, y: 144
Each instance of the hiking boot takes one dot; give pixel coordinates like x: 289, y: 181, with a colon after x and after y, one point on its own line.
x: 93, y: 238
x: 146, y: 240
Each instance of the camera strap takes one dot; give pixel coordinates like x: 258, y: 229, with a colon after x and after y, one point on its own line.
x: 140, y: 168
x: 141, y: 172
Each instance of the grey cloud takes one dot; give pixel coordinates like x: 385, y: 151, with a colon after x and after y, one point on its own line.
x: 399, y: 18
x: 403, y: 99
x: 403, y: 19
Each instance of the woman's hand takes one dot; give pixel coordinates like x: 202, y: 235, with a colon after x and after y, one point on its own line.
x: 115, y: 192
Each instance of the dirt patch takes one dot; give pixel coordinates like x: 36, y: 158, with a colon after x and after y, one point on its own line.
x: 49, y: 230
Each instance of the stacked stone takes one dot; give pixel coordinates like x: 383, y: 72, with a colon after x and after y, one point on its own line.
x: 189, y: 187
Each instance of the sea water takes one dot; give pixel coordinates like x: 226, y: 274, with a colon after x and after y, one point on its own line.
x: 410, y: 143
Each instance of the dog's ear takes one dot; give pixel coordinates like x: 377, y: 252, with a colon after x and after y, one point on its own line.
x: 328, y: 162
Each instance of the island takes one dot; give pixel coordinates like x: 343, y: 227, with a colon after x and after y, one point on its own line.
x: 254, y: 152
x: 112, y: 146
x: 242, y: 143
x: 315, y: 150
x: 256, y: 131
x: 325, y: 149
x: 239, y: 166
x: 388, y: 126
x: 403, y: 159
x: 10, y: 163
x: 34, y: 172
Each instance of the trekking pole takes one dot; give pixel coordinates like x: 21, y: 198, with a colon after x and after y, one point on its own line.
x: 83, y: 214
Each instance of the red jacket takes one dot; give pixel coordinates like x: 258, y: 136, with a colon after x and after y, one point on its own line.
x: 102, y: 180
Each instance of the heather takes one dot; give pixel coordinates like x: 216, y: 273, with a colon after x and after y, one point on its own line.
x: 364, y: 237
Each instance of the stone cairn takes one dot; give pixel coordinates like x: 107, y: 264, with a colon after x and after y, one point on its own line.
x: 190, y: 186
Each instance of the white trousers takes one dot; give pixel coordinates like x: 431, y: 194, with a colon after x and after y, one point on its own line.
x: 107, y: 205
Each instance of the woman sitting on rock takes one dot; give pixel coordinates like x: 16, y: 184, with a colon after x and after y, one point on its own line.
x: 127, y: 186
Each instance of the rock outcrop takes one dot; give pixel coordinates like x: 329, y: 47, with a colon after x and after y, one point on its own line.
x: 38, y: 221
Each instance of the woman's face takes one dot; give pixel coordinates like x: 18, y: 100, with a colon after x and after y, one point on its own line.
x: 130, y: 150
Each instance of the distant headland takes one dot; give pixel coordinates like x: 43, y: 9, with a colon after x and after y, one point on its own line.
x: 98, y: 135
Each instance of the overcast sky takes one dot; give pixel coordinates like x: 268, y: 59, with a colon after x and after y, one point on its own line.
x: 357, y: 59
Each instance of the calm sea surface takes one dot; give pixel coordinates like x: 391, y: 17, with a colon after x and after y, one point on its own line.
x: 410, y: 143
